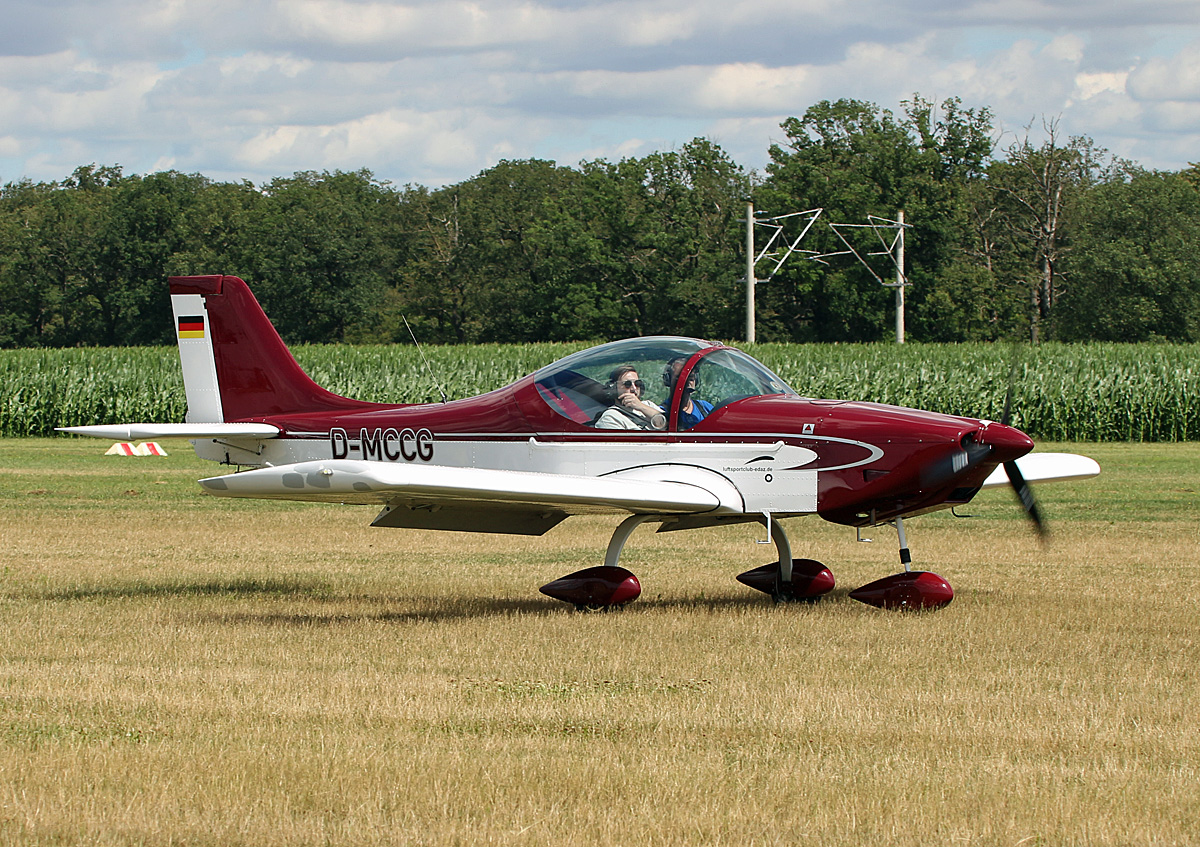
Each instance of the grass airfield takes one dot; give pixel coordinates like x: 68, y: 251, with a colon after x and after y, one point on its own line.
x: 180, y: 669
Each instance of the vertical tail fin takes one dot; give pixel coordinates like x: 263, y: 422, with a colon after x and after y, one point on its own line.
x: 235, y: 365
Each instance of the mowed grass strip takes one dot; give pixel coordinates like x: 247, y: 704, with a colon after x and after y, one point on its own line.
x: 183, y: 669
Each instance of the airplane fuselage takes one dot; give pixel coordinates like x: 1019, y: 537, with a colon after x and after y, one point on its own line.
x: 784, y: 454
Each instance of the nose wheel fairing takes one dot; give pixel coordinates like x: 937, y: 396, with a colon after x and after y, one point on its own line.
x: 912, y: 590
x: 908, y: 590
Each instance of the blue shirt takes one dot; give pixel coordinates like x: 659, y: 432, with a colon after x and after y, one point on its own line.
x: 700, y: 410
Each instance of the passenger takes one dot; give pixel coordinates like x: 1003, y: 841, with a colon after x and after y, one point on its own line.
x: 691, y: 410
x: 629, y: 410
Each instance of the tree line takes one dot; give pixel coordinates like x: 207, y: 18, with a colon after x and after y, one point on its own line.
x: 1053, y: 239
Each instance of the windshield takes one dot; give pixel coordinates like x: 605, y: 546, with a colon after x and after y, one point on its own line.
x: 727, y: 375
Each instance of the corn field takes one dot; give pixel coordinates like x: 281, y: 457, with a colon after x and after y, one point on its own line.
x: 1102, y: 392
x: 1093, y: 392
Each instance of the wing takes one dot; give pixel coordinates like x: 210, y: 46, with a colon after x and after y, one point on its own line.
x: 1047, y: 467
x: 479, y: 499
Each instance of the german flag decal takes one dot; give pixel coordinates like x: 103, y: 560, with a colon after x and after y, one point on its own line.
x: 191, y: 327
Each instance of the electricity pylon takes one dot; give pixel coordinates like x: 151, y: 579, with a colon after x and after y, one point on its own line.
x: 783, y: 250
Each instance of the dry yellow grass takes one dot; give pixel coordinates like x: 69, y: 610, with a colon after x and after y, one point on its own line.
x: 178, y: 669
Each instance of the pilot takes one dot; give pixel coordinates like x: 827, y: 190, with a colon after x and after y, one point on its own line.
x: 692, y: 410
x: 629, y: 410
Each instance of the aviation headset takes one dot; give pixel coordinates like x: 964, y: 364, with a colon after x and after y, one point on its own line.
x: 616, y: 374
x: 668, y: 374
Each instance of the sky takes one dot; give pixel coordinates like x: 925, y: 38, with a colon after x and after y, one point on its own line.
x: 432, y: 93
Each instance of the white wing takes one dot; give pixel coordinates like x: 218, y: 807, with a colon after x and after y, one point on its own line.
x: 479, y: 499
x: 1047, y: 467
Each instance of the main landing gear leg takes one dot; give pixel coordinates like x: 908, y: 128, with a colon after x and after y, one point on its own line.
x: 787, y: 578
x: 604, y: 587
x: 908, y: 590
x: 620, y: 536
x: 783, y: 586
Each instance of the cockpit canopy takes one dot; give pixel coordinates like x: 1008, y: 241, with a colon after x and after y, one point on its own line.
x: 581, y: 388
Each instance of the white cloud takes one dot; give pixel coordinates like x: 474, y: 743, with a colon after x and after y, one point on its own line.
x: 1176, y: 117
x: 658, y: 28
x: 81, y: 97
x: 390, y: 29
x: 1174, y: 78
x: 448, y: 146
x: 752, y: 89
x: 1088, y: 86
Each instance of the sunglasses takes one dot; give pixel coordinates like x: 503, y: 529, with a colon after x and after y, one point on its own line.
x: 630, y: 383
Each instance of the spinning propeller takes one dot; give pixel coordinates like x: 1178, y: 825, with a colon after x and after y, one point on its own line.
x: 1015, y: 478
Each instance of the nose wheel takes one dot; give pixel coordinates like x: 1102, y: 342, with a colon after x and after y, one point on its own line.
x: 910, y: 590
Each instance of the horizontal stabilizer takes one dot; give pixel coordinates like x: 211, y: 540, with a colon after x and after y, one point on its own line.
x: 1047, y: 467
x: 359, y: 482
x: 144, y: 431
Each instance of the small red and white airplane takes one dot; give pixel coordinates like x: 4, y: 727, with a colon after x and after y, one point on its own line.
x: 675, y: 431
